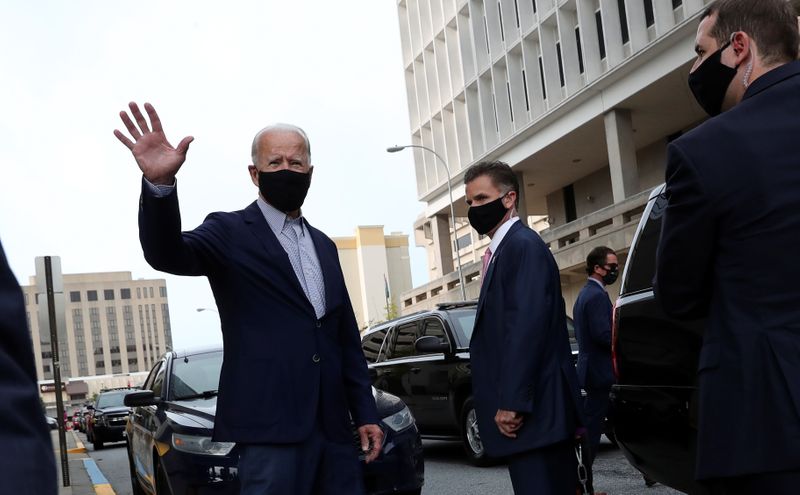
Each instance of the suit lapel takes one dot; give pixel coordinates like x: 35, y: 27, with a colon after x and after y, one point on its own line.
x: 260, y: 228
x: 492, y: 263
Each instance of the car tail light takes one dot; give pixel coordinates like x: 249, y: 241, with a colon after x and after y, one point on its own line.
x: 614, y: 336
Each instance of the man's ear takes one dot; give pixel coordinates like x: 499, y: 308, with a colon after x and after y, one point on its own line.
x: 253, y: 174
x: 510, y: 200
x: 743, y: 47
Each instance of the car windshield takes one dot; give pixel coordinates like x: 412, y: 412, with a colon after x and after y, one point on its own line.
x: 111, y: 399
x: 463, y: 322
x: 195, y: 376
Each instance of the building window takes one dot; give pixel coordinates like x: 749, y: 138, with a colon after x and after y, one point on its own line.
x: 600, y: 35
x: 649, y: 18
x: 623, y: 21
x: 541, y: 76
x: 91, y: 295
x: 463, y: 241
x: 676, y: 4
x: 525, y: 88
x: 569, y: 203
x: 162, y: 291
x: 108, y: 294
x: 580, y: 48
x: 151, y: 292
x: 124, y: 293
x: 534, y: 5
x: 26, y: 298
x: 75, y: 296
x: 560, y: 64
x: 99, y: 364
x: 46, y: 368
x: 138, y: 292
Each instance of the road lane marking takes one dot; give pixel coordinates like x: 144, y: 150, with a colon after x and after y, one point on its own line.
x: 101, y: 484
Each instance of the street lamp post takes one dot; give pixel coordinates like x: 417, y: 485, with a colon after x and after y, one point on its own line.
x: 395, y: 149
x: 200, y: 310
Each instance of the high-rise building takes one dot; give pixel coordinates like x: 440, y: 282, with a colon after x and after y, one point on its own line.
x: 580, y: 97
x: 114, y: 324
x: 377, y: 269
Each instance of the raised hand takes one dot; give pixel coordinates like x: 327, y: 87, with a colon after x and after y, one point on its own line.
x: 157, y: 159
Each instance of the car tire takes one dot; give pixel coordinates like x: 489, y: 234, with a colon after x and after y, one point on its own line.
x: 470, y: 437
x: 162, y: 484
x: 96, y: 442
x: 136, y: 488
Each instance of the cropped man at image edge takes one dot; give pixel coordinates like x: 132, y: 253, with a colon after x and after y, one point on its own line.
x: 293, y: 370
x: 728, y: 250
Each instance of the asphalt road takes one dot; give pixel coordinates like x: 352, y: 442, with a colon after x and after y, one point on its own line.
x: 447, y: 472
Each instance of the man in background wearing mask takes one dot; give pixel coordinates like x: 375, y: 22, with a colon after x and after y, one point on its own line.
x: 728, y: 249
x: 523, y: 381
x: 592, y: 316
x: 293, y: 371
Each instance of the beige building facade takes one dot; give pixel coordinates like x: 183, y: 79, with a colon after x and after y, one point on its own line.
x: 580, y: 97
x: 113, y: 325
x: 377, y: 269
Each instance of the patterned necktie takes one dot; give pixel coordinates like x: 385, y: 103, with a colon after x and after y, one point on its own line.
x: 308, y: 273
x: 485, y: 258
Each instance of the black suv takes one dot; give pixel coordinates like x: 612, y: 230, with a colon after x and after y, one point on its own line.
x: 655, y: 357
x: 423, y: 358
x: 109, y: 415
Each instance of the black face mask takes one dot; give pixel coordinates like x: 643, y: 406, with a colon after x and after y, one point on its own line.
x: 610, y: 277
x: 710, y: 82
x: 285, y: 190
x: 484, y: 218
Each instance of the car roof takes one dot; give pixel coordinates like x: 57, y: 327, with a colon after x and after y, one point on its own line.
x: 440, y: 308
x: 193, y: 351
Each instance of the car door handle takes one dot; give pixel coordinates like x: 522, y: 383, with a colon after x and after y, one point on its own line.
x: 415, y: 370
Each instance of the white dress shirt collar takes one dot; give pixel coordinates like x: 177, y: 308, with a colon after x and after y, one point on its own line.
x: 501, y: 233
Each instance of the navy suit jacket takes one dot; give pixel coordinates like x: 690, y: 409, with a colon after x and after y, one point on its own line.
x: 728, y: 252
x: 282, y: 368
x: 592, y: 316
x: 28, y: 466
x: 520, y: 353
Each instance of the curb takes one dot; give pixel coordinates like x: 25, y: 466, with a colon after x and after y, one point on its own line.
x: 80, y: 447
x: 99, y: 482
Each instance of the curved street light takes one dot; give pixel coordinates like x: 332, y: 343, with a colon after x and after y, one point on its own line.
x: 200, y: 310
x: 395, y: 149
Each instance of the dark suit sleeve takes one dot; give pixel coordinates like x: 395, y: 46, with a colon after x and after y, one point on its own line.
x: 597, y: 315
x: 354, y: 367
x: 527, y: 306
x: 684, y: 255
x: 28, y: 465
x: 169, y: 250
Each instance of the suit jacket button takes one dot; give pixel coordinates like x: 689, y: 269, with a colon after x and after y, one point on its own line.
x: 319, y: 323
x: 316, y: 358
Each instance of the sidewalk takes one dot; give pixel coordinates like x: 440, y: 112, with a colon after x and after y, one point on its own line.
x: 84, y: 477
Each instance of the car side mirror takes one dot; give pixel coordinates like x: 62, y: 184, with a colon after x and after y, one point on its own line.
x: 431, y: 345
x: 143, y: 398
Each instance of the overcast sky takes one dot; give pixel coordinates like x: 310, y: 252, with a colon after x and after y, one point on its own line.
x: 217, y: 71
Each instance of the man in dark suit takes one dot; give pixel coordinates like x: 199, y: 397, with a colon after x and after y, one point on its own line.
x: 523, y: 380
x: 592, y: 317
x: 28, y: 466
x: 728, y: 250
x: 293, y: 373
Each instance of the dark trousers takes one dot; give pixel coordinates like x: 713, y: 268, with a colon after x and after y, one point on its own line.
x: 316, y: 466
x: 550, y: 470
x: 779, y: 483
x: 595, y: 408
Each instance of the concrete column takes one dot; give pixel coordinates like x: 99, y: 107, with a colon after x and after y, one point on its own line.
x: 522, y: 207
x: 442, y: 243
x: 621, y: 154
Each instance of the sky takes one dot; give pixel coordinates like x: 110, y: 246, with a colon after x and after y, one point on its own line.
x: 216, y: 71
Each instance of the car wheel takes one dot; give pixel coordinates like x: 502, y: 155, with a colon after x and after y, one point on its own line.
x: 162, y: 484
x: 470, y: 436
x: 136, y: 489
x: 98, y: 443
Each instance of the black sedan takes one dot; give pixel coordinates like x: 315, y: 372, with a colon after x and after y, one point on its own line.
x: 169, y: 435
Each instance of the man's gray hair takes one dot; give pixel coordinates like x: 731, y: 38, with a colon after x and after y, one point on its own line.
x: 279, y: 127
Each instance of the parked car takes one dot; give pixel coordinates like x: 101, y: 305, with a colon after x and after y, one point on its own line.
x: 423, y: 358
x: 169, y: 436
x: 52, y: 422
x: 108, y: 418
x: 655, y: 358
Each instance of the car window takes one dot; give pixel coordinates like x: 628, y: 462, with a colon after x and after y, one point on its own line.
x: 195, y: 374
x: 406, y: 335
x: 432, y: 327
x: 642, y: 259
x: 158, y: 382
x: 371, y: 345
x: 111, y: 399
x: 571, y: 331
x: 148, y: 383
x: 463, y: 321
